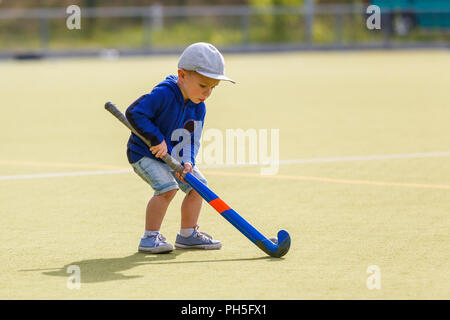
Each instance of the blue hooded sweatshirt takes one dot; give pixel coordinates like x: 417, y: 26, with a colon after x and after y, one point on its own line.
x: 157, y: 116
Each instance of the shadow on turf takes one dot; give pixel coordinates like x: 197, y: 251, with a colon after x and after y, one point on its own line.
x: 101, y: 270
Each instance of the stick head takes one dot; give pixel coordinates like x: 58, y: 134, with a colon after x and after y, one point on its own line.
x: 277, y: 247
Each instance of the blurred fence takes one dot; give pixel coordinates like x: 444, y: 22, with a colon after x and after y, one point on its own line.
x: 242, y: 28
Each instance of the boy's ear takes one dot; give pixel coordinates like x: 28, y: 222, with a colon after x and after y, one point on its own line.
x: 181, y: 74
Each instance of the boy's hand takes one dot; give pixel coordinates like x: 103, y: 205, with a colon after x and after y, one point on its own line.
x: 187, y: 168
x: 160, y: 150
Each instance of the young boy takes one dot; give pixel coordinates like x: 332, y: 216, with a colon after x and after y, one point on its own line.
x: 175, y: 103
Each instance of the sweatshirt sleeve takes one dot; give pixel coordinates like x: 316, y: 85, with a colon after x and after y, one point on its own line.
x: 143, y: 111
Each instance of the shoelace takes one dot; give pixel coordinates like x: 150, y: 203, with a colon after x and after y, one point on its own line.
x: 202, y: 234
x: 160, y: 238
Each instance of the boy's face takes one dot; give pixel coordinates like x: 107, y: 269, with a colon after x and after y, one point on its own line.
x: 195, y: 86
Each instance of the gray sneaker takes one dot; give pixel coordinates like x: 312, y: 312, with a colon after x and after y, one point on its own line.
x: 154, y: 244
x: 197, y: 240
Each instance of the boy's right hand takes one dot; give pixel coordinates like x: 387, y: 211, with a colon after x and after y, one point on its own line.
x: 160, y: 150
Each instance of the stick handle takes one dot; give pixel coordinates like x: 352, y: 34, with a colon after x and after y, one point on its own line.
x: 168, y: 159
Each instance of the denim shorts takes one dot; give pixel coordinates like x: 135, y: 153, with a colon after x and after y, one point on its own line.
x: 161, y: 177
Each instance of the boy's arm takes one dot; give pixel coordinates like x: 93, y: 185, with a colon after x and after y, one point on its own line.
x: 140, y: 113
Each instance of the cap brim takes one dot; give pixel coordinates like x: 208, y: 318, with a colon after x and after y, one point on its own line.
x: 216, y: 76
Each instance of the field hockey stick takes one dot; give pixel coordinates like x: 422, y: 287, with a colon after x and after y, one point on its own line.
x: 274, y: 248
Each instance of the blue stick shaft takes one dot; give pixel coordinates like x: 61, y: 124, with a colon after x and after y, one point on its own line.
x: 228, y: 213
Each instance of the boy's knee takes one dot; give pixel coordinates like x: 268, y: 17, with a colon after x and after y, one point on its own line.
x: 168, y: 195
x: 194, y: 194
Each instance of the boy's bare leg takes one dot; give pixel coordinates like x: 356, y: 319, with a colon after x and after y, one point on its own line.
x: 189, y: 237
x: 156, y: 210
x: 190, y: 209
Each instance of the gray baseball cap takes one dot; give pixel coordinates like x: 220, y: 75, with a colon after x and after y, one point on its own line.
x: 205, y: 59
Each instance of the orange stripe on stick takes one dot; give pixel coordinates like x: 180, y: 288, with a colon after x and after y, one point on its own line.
x: 219, y: 205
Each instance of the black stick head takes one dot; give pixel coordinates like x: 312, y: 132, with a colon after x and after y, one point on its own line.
x: 284, y: 243
x: 276, y: 247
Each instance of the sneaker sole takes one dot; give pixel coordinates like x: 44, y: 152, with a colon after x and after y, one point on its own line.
x: 155, y: 250
x: 199, y: 246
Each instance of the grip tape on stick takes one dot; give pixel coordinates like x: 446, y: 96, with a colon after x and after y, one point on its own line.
x: 168, y: 159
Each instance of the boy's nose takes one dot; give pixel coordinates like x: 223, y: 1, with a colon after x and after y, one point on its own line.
x: 207, y: 93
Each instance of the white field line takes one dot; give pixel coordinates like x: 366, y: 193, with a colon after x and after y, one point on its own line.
x: 337, y: 159
x: 63, y: 174
x: 281, y: 162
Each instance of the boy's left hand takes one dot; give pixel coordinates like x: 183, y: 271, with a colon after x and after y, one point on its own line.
x: 187, y: 168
